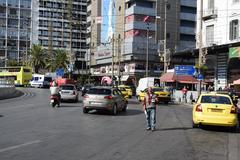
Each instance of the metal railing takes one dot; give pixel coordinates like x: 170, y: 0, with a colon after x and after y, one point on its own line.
x: 6, y: 82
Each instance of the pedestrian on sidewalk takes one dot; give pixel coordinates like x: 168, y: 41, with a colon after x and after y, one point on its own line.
x: 184, y: 91
x: 149, y: 107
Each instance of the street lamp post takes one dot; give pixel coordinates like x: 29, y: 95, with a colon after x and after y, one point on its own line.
x: 147, y: 56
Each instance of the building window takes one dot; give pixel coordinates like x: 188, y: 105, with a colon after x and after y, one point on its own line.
x: 210, y: 4
x: 210, y: 35
x: 234, y: 30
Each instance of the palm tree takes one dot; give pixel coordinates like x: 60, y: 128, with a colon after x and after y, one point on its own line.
x: 37, y: 57
x: 61, y: 59
x: 13, y: 62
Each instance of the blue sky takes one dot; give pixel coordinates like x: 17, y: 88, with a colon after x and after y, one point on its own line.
x: 105, y: 19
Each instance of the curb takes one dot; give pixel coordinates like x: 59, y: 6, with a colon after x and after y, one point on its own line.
x: 16, y: 94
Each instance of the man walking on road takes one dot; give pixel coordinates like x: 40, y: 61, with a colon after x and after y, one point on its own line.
x: 149, y: 107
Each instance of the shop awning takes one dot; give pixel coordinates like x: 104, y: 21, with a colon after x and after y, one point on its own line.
x: 237, y: 82
x: 167, y: 77
x: 186, y: 79
x: 171, y: 77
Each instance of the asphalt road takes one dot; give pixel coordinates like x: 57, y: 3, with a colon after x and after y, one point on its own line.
x: 31, y: 130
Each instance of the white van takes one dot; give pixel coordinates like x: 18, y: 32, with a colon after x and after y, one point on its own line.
x: 40, y: 81
x: 146, y: 82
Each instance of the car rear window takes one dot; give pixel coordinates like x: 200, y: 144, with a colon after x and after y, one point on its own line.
x: 215, y: 99
x: 67, y: 87
x: 99, y: 91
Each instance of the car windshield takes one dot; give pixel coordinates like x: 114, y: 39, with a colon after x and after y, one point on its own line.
x: 48, y: 79
x: 157, y: 89
x: 122, y: 89
x: 99, y: 91
x: 215, y: 99
x: 67, y: 87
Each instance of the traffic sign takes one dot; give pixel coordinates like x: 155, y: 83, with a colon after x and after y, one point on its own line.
x: 200, y: 77
x: 60, y: 72
x: 184, y: 70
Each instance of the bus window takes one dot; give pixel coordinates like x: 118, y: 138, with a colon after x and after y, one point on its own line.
x: 26, y: 70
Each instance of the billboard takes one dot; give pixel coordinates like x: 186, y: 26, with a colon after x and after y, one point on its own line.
x: 108, y: 20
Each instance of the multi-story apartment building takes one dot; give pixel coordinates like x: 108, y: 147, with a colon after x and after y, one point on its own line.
x: 61, y: 24
x: 217, y: 33
x: 139, y: 32
x: 15, y: 29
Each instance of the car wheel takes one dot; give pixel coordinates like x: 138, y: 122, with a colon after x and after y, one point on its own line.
x: 114, y: 110
x: 85, y: 110
x: 195, y: 125
x: 124, y: 108
x: 138, y: 97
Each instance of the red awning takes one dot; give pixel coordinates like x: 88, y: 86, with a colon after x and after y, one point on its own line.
x: 171, y: 77
x: 237, y: 82
x: 186, y: 79
x: 167, y: 77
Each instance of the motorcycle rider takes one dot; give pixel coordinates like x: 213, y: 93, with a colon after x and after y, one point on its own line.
x: 54, y: 90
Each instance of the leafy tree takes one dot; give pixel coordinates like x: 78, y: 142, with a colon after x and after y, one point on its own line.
x: 37, y: 57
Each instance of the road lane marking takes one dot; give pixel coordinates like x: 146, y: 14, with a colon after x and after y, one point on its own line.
x: 19, y: 146
x: 232, y: 147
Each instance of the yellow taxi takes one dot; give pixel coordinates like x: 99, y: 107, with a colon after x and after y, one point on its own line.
x: 214, y: 109
x: 128, y: 89
x: 163, y: 96
x: 124, y: 92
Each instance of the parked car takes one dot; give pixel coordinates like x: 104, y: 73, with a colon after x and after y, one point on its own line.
x: 69, y: 92
x: 104, y: 98
x: 163, y: 96
x: 85, y: 88
x: 214, y: 109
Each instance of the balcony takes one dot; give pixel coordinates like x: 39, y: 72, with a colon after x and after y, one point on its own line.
x: 2, y: 15
x: 188, y: 16
x: 13, y: 16
x: 188, y: 3
x: 140, y: 10
x: 187, y: 30
x: 210, y: 14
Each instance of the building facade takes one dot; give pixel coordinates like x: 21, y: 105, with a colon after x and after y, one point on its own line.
x: 15, y: 30
x: 62, y: 24
x: 139, y: 36
x: 217, y: 33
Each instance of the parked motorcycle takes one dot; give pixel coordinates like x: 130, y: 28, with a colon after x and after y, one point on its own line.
x: 54, y: 100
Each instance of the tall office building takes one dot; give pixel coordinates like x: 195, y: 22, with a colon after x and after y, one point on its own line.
x: 15, y: 30
x: 61, y: 24
x: 141, y: 27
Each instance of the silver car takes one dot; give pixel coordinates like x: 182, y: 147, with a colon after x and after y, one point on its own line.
x: 69, y: 92
x: 104, y: 98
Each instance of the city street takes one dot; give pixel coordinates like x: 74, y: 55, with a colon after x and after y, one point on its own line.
x: 31, y: 130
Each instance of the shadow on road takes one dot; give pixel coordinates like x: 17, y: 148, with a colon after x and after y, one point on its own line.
x: 173, y: 129
x: 129, y: 112
x: 1, y: 115
x: 220, y: 129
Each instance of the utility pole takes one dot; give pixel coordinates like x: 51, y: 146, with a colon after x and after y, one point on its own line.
x: 50, y: 38
x: 200, y: 44
x: 147, y: 57
x: 70, y: 45
x: 63, y: 5
x: 113, y: 57
x: 119, y: 59
x: 165, y: 36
